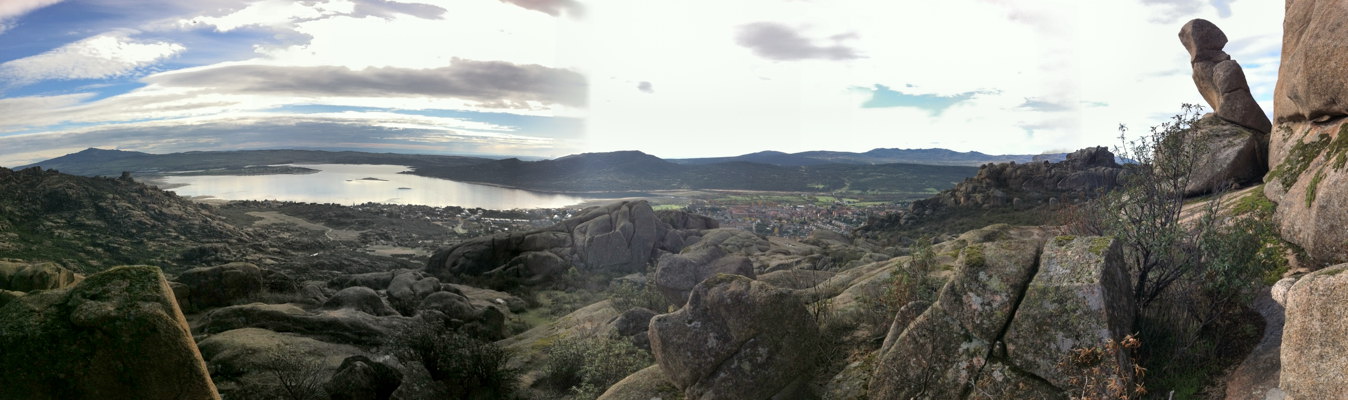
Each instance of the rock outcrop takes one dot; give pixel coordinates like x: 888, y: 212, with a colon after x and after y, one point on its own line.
x: 342, y: 325
x: 677, y: 274
x: 622, y: 237
x: 27, y: 277
x: 1081, y: 176
x: 1081, y: 297
x: 1311, y: 77
x: 1308, y: 180
x: 1314, y: 351
x: 247, y: 359
x: 1308, y: 147
x: 119, y: 331
x: 360, y: 378
x: 1220, y: 79
x: 1000, y: 326
x: 1232, y: 155
x: 648, y: 383
x: 735, y: 339
x: 359, y: 298
x: 221, y: 285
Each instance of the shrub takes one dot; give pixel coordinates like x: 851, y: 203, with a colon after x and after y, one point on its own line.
x: 628, y: 295
x: 1191, y: 279
x: 297, y: 378
x: 910, y: 283
x: 471, y: 368
x: 1144, y: 213
x: 587, y: 366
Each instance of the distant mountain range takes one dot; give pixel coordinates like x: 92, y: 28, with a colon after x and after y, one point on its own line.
x: 920, y: 172
x: 876, y: 156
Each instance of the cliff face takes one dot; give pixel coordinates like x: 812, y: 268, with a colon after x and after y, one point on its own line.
x: 1308, y: 147
x: 1308, y: 180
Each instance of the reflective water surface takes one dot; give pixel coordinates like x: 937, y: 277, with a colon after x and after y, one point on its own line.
x: 355, y: 184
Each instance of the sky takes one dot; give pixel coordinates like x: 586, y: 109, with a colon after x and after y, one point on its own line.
x: 547, y: 78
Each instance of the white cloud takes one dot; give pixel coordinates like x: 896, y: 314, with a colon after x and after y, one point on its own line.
x: 103, y: 56
x: 718, y: 98
x: 1033, y: 65
x: 271, y: 13
x: 13, y: 9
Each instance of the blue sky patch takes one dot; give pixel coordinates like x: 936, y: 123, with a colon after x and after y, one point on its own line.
x: 882, y: 97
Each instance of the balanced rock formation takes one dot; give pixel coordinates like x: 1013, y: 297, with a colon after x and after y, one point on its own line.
x: 1013, y: 310
x: 1314, y: 348
x: 117, y: 334
x: 735, y: 339
x: 623, y: 237
x: 1220, y: 79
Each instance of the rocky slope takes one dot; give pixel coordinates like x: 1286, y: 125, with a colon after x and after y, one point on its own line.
x: 1002, y: 190
x: 88, y: 224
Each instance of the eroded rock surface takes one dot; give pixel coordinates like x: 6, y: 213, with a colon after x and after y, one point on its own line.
x: 27, y: 277
x: 1001, y: 325
x: 1314, y: 352
x: 1233, y: 155
x: 621, y: 237
x: 1312, y: 77
x: 120, y: 331
x: 735, y: 339
x: 221, y: 285
x: 1308, y: 179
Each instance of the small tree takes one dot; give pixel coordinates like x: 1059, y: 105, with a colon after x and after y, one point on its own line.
x: 298, y: 377
x: 1144, y: 212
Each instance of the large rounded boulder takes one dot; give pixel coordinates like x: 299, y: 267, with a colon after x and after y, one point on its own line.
x: 222, y: 285
x: 117, y: 334
x: 1314, y: 351
x: 735, y: 339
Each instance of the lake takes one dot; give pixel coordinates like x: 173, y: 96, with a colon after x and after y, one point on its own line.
x: 351, y: 184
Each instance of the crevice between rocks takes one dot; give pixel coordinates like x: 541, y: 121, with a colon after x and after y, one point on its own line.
x: 1006, y: 325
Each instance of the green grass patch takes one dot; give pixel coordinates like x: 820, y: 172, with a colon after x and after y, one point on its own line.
x: 1314, y: 185
x: 1298, y: 159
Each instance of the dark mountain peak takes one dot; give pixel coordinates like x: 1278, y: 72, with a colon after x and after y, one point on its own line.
x: 621, y: 154
x: 104, y: 153
x: 86, y: 157
x: 614, y: 158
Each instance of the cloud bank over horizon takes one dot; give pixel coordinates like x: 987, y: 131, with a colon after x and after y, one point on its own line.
x: 553, y: 77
